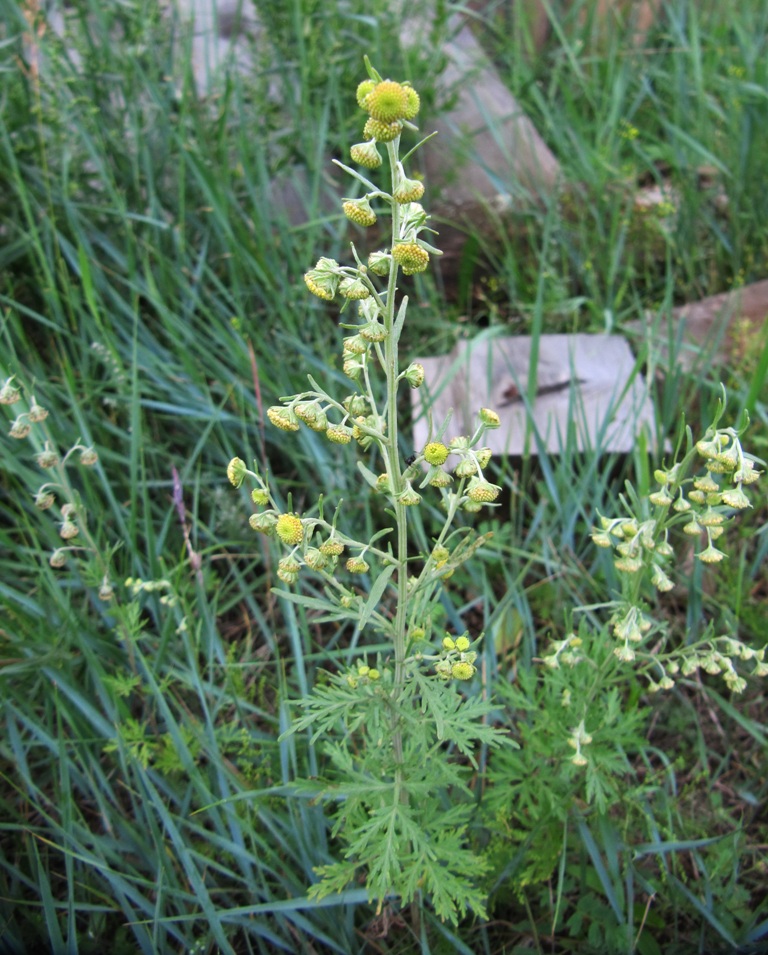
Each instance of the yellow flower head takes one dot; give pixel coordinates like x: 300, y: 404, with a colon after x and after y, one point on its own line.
x: 435, y: 453
x: 289, y: 529
x: 411, y: 256
x: 380, y: 131
x: 387, y: 101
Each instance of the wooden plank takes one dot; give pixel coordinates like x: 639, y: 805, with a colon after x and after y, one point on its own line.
x: 584, y: 383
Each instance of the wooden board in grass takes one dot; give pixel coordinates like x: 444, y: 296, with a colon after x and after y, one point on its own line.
x: 586, y: 393
x: 709, y: 332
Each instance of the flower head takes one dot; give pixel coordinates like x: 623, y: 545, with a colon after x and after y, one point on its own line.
x: 435, y: 453
x: 289, y: 529
x: 283, y: 418
x: 236, y: 471
x: 463, y: 670
x: 411, y: 257
x: 323, y: 279
x: 366, y: 154
x: 381, y: 131
x: 387, y: 101
x: 359, y: 211
x: 408, y: 190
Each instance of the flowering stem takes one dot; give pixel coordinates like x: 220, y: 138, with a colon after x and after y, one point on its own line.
x: 392, y: 450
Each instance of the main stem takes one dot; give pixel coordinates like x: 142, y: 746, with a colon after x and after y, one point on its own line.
x: 395, y: 475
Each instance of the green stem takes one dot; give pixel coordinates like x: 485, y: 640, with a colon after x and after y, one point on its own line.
x: 395, y: 474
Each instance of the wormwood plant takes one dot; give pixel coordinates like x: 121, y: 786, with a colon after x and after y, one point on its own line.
x: 400, y: 731
x: 580, y: 716
x: 56, y: 492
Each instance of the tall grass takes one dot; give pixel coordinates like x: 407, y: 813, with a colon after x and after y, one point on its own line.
x: 151, y: 298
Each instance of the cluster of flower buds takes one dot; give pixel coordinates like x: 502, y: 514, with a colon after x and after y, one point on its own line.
x: 362, y: 675
x: 717, y: 657
x: 702, y: 504
x: 579, y: 737
x: 295, y: 532
x: 159, y: 586
x: 49, y: 458
x: 478, y: 491
x: 564, y: 652
x: 457, y: 659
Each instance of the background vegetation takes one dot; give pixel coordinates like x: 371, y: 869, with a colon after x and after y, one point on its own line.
x: 151, y: 296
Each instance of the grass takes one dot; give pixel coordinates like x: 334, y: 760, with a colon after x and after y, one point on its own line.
x: 151, y: 297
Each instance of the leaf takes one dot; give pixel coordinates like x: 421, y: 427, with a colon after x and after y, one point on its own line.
x: 378, y: 588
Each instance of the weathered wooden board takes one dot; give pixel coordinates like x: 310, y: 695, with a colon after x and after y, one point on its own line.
x: 587, y: 385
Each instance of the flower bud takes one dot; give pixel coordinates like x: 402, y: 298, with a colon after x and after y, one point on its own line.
x: 440, y: 555
x: 355, y: 404
x: 359, y: 211
x: 354, y: 288
x: 379, y: 262
x: 462, y: 644
x: 746, y: 474
x: 264, y: 523
x: 482, y: 492
x: 439, y: 478
x: 315, y: 559
x: 735, y: 497
x: 373, y: 332
x: 661, y: 498
x: 311, y: 414
x: 707, y: 484
x: 490, y: 418
x: 366, y: 154
x: 9, y: 393
x: 58, y: 558
x: 332, y: 547
x: 465, y: 468
x: 68, y: 530
x: 44, y: 500
x: 411, y: 256
x: 20, y: 428
x: 47, y: 458
x: 363, y: 90
x: 283, y: 418
x: 408, y: 190
x: 382, y: 132
x: 628, y: 565
x: 260, y: 496
x: 729, y: 457
x: 288, y: 570
x: 236, y: 471
x: 354, y: 345
x: 323, y: 279
x: 711, y: 555
x: 660, y: 580
x: 409, y: 497
x: 711, y: 518
x: 443, y: 669
x: 413, y: 102
x: 106, y: 590
x: 357, y: 565
x: 36, y: 413
x: 339, y: 434
x: 449, y: 643
x: 88, y: 457
x: 414, y: 374
x: 352, y: 368
x: 289, y: 529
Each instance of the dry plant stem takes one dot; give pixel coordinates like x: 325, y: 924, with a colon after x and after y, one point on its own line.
x: 395, y: 475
